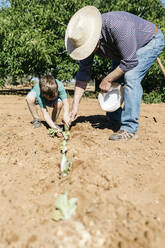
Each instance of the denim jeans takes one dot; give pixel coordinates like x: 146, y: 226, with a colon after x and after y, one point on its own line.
x: 133, y: 91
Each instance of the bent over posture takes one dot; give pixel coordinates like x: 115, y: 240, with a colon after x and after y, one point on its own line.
x: 131, y: 42
x: 50, y: 92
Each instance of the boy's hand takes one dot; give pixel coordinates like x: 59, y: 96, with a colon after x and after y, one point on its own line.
x: 57, y: 128
x: 59, y: 134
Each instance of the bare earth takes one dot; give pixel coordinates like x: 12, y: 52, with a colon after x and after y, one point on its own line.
x: 119, y: 185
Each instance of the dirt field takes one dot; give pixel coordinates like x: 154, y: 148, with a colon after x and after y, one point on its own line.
x: 119, y: 185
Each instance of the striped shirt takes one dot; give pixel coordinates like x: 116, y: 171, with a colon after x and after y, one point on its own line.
x: 122, y: 34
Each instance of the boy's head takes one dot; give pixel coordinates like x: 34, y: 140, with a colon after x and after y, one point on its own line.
x: 49, y: 87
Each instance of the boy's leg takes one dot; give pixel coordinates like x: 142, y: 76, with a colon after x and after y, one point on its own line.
x: 31, y: 99
x: 57, y: 106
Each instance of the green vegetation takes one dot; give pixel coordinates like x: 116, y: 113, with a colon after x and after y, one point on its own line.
x: 32, y: 39
x: 65, y: 164
x: 65, y: 208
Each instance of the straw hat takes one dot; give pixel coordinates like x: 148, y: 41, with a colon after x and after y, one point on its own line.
x: 83, y: 32
x: 111, y: 100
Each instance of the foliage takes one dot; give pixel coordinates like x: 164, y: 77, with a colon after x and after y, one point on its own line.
x: 156, y: 96
x: 32, y: 38
x: 65, y: 207
x: 65, y: 164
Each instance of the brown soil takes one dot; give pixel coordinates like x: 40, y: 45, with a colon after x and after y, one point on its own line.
x: 119, y: 185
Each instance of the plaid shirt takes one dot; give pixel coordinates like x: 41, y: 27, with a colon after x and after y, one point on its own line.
x: 122, y: 34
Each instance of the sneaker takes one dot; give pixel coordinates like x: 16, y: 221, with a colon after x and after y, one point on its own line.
x: 123, y: 135
x: 36, y: 123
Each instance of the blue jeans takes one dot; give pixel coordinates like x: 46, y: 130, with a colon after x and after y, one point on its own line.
x: 133, y: 91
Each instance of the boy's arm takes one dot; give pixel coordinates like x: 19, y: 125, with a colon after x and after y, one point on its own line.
x: 49, y: 120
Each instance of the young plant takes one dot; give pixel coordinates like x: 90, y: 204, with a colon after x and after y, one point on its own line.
x: 52, y: 132
x: 65, y: 165
x: 65, y: 208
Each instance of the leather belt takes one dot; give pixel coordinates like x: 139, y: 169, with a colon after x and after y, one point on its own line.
x: 156, y: 30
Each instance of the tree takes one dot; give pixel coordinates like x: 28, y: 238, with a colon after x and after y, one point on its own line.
x: 32, y: 37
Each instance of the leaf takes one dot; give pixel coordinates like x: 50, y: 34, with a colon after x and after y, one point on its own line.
x: 66, y: 135
x: 52, y: 132
x: 65, y: 165
x: 67, y: 168
x: 65, y: 208
x: 64, y: 146
x: 63, y: 162
x: 57, y: 215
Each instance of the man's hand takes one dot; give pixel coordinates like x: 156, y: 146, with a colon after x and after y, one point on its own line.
x: 66, y: 119
x: 105, y: 85
x: 78, y: 93
x: 73, y: 115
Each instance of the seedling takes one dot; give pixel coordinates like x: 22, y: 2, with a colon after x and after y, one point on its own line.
x: 65, y: 165
x: 52, y: 132
x: 65, y: 208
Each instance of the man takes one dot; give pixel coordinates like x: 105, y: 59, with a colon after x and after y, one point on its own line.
x: 131, y: 42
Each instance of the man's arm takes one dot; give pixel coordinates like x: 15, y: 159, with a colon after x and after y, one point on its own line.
x: 78, y: 93
x: 82, y: 78
x: 66, y: 116
x: 110, y: 78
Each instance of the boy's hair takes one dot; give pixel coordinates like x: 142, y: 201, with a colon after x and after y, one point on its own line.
x: 48, y: 86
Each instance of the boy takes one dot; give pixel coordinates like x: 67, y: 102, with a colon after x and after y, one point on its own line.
x: 50, y: 92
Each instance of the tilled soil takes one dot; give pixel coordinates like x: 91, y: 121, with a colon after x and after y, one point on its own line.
x: 119, y: 185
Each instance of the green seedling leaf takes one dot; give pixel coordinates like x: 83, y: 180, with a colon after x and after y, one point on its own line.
x: 65, y: 208
x: 67, y: 168
x: 57, y: 215
x: 66, y: 135
x: 52, y: 132
x: 63, y: 162
x: 65, y: 165
x: 64, y: 146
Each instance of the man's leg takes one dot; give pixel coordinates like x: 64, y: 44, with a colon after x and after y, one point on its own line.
x: 115, y: 117
x: 133, y: 90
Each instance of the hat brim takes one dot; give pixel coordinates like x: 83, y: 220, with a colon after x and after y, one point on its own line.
x: 95, y: 23
x: 111, y: 100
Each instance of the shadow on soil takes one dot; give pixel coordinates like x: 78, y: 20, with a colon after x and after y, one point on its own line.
x: 97, y: 121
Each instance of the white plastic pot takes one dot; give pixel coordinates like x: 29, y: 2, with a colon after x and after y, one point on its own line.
x: 111, y: 100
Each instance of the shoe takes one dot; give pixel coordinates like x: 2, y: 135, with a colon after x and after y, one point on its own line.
x: 36, y: 123
x: 123, y: 135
